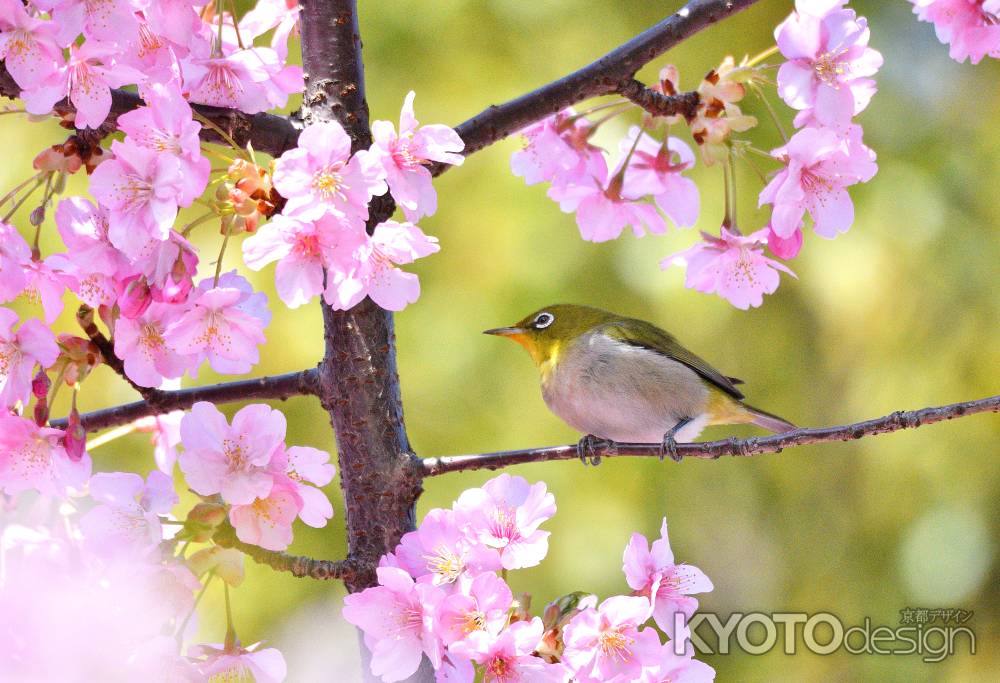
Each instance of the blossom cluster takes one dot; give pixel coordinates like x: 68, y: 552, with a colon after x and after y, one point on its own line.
x: 439, y: 596
x: 827, y: 80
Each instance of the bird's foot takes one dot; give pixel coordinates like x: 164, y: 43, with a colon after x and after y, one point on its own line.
x: 668, y: 447
x: 587, y: 447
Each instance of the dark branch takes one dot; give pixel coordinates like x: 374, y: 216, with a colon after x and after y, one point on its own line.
x: 715, y: 449
x: 296, y: 565
x: 266, y: 132
x: 609, y: 74
x: 658, y: 104
x: 158, y: 401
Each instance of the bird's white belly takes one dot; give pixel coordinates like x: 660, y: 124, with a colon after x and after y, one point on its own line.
x: 624, y: 393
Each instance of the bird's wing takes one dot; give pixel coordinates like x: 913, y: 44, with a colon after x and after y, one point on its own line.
x: 644, y: 335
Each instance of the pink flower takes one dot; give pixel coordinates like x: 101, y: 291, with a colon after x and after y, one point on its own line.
x: 320, y: 176
x: 829, y: 64
x: 784, y: 247
x: 820, y: 165
x: 605, y: 644
x: 166, y: 436
x: 306, y: 468
x: 652, y: 572
x: 28, y: 46
x: 141, y: 345
x: 405, y: 155
x: 240, y: 664
x: 376, y: 274
x: 674, y: 668
x: 112, y: 21
x: 87, y: 80
x: 732, y: 266
x: 32, y: 457
x: 20, y: 352
x: 267, y: 521
x: 602, y: 211
x: 557, y: 150
x: 396, y: 618
x: 142, y: 189
x: 224, y: 324
x: 440, y: 553
x: 479, y: 604
x: 970, y: 27
x: 166, y: 126
x: 126, y: 518
x: 170, y: 266
x: 236, y: 80
x: 47, y: 281
x: 505, y: 514
x: 655, y: 169
x: 303, y: 250
x: 14, y: 257
x: 94, y: 263
x: 231, y: 460
x: 507, y: 657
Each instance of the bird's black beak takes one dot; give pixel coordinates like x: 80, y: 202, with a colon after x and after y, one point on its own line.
x: 506, y: 331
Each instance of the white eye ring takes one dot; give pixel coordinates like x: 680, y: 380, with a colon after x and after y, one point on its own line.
x: 543, y: 320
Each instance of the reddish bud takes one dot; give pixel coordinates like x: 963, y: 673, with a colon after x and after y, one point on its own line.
x: 136, y: 298
x: 75, y: 441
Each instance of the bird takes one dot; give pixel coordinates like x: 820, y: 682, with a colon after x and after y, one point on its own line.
x: 624, y: 380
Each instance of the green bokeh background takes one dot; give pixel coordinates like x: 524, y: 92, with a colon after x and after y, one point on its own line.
x: 901, y: 312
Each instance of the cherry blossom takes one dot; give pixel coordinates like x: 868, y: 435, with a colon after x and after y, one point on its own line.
x: 507, y: 658
x: 125, y: 520
x: 113, y: 22
x: 165, y: 433
x: 32, y: 457
x: 146, y: 355
x: 251, y: 80
x: 28, y: 45
x: 267, y: 521
x: 263, y: 665
x: 971, y: 28
x: 320, y: 176
x: 376, y: 274
x: 47, y: 281
x: 231, y: 460
x: 305, y: 469
x: 404, y: 157
x: 820, y: 165
x: 505, y: 514
x: 605, y: 643
x: 87, y: 79
x: 224, y: 325
x: 94, y: 264
x: 31, y: 345
x: 731, y: 265
x: 14, y: 257
x: 557, y: 150
x: 829, y: 67
x: 303, y: 250
x: 674, y: 668
x: 655, y: 169
x: 651, y: 572
x: 141, y: 189
x: 396, y: 618
x: 440, y: 552
x: 479, y: 604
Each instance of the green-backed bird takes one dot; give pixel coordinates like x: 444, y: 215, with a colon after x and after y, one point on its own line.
x: 621, y: 379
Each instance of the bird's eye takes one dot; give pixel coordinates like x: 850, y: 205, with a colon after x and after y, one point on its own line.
x: 543, y: 320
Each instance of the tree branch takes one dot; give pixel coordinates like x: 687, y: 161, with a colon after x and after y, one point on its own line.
x: 158, y: 401
x: 296, y: 565
x: 715, y: 449
x: 610, y: 74
x: 266, y: 132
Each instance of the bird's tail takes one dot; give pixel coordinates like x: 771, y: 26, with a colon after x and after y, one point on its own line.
x: 768, y: 421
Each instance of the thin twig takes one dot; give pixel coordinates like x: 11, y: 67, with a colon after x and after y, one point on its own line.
x: 159, y: 401
x: 715, y: 449
x: 296, y: 565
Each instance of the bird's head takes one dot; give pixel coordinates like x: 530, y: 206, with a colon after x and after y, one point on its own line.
x: 550, y: 330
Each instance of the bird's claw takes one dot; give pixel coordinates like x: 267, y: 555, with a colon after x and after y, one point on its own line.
x: 586, y: 447
x: 668, y: 447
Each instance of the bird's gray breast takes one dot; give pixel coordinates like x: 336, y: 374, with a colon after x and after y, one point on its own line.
x: 616, y: 391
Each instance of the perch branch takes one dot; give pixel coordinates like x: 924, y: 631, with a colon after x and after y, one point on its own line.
x: 296, y: 565
x: 158, y: 401
x: 612, y: 73
x: 715, y: 449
